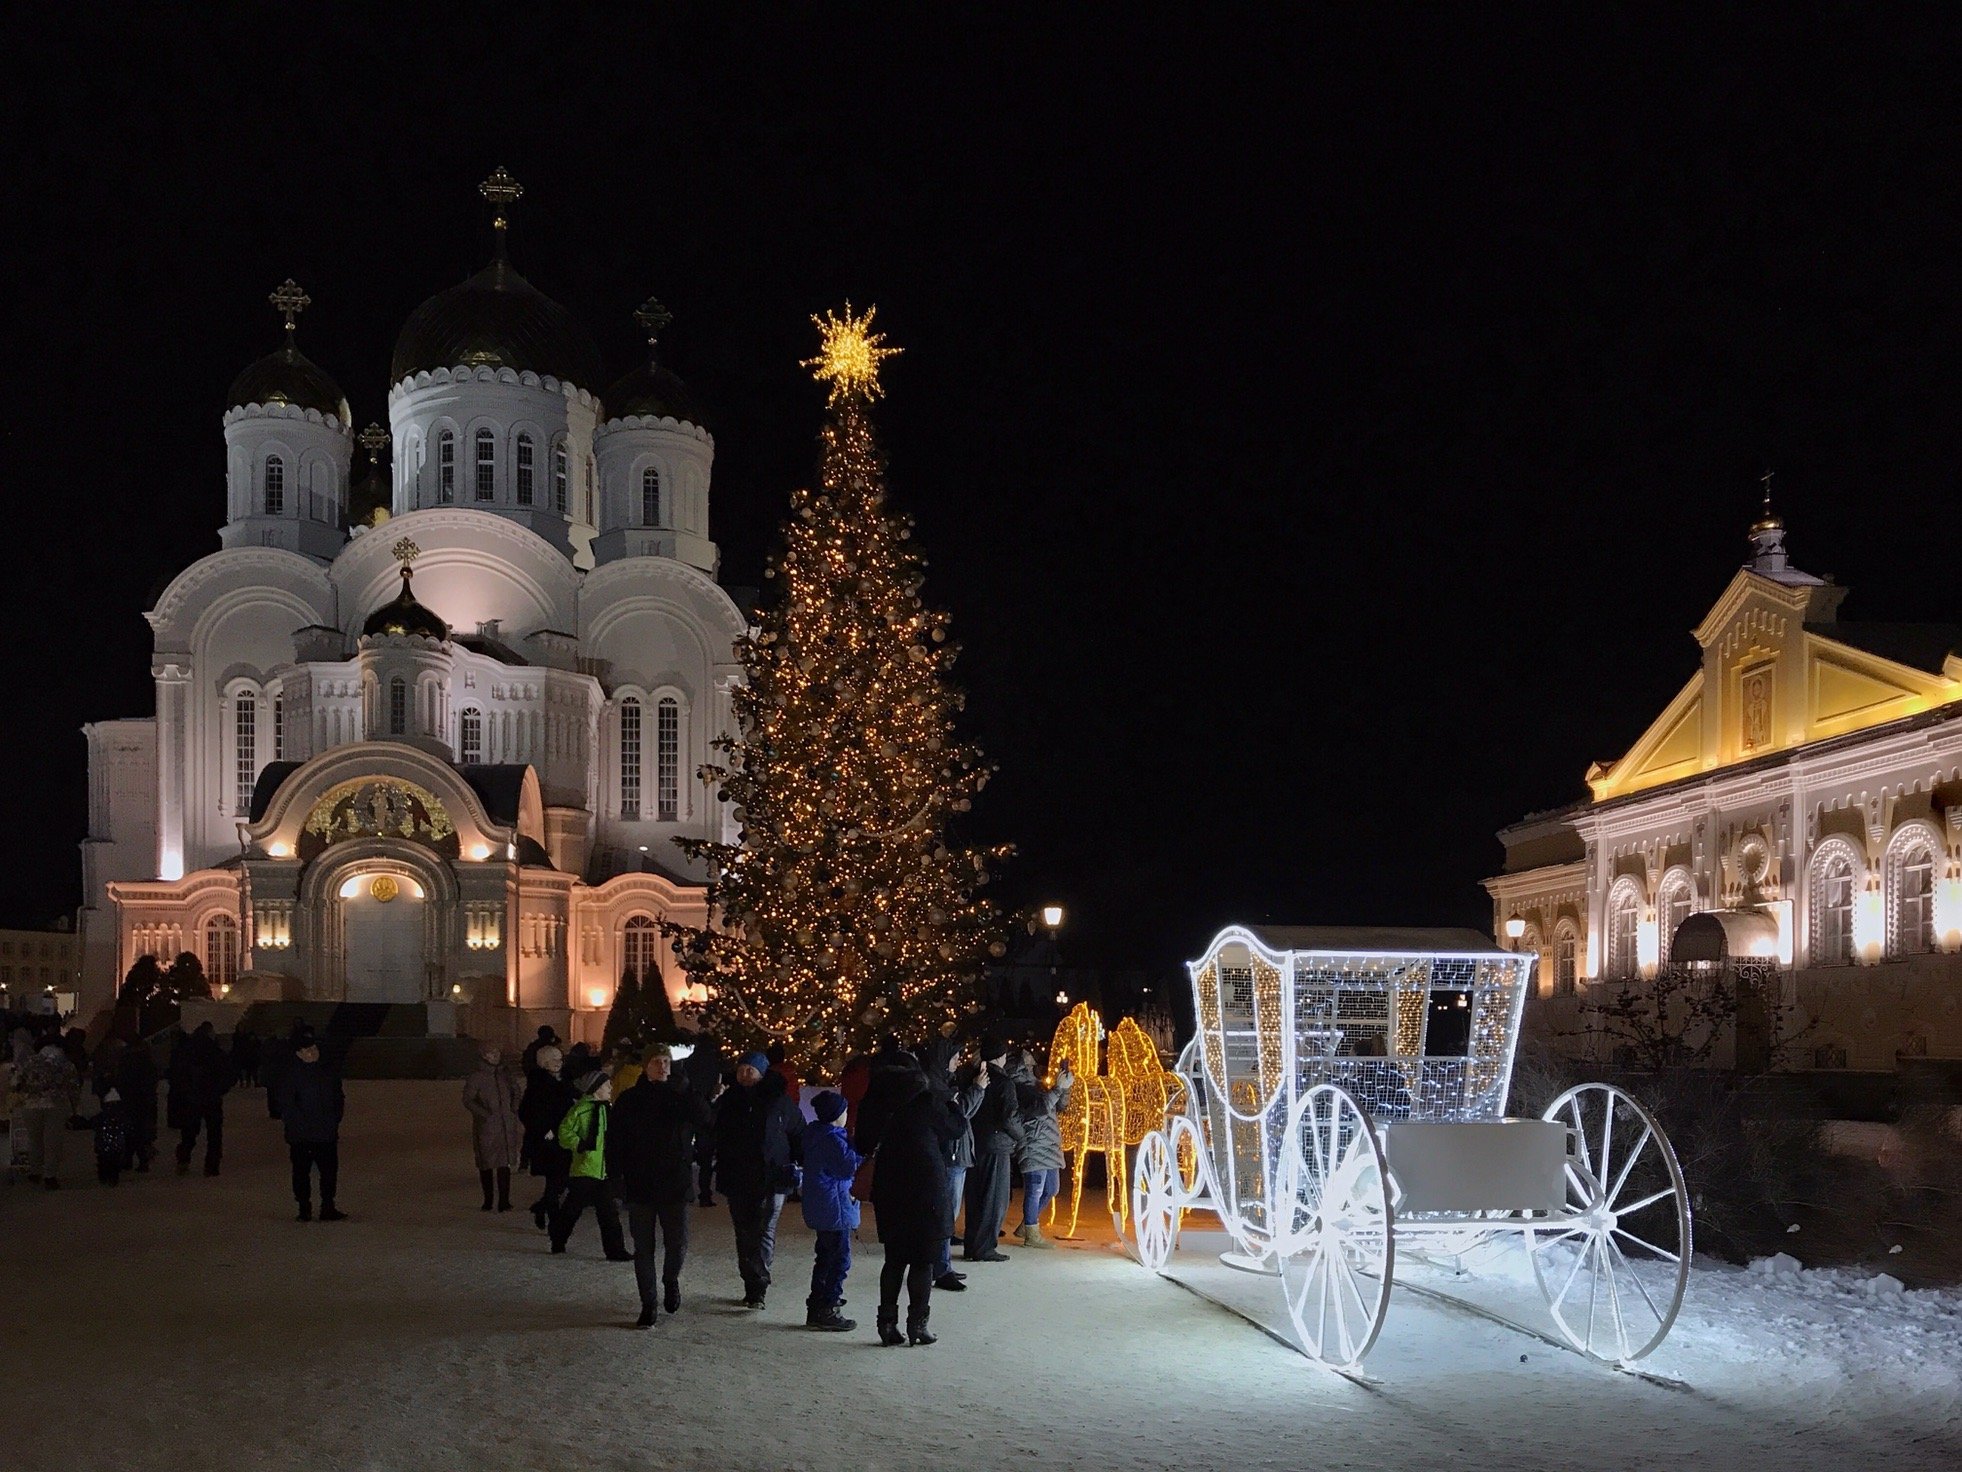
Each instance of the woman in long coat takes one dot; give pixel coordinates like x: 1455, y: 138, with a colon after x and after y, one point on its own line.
x: 491, y: 1095
x: 909, y: 1139
x: 547, y: 1097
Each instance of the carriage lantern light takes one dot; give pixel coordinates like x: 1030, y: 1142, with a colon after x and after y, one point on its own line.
x: 1052, y: 916
x: 1515, y: 927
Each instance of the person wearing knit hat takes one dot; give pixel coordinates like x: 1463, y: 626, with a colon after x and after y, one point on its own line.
x: 582, y: 1133
x: 655, y: 1126
x: 997, y: 1133
x: 758, y: 1133
x: 830, y: 1210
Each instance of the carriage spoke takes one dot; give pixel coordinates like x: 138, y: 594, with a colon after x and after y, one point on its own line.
x: 1572, y: 1273
x: 1622, y: 1179
x: 1580, y: 1135
x: 1614, y: 1298
x: 1639, y: 1242
x: 1663, y: 1195
x: 1593, y: 1285
x: 1321, y: 1319
x: 1636, y: 1278
x: 1607, y: 1141
x: 1580, y: 1187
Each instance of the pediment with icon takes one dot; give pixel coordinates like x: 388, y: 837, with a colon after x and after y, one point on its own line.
x: 378, y: 807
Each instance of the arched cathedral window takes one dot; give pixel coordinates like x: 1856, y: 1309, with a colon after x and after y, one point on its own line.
x: 630, y: 758
x: 650, y: 497
x: 245, y: 749
x: 667, y: 759
x: 398, y: 706
x: 445, y: 467
x: 1566, y: 945
x: 1672, y: 908
x: 524, y: 470
x: 470, y: 736
x: 560, y: 474
x: 486, y: 464
x: 1624, y: 911
x: 1911, y: 895
x: 637, y: 950
x: 275, y: 486
x: 221, y: 950
x: 1834, y: 883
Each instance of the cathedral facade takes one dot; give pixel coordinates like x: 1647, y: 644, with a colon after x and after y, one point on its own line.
x: 429, y: 733
x: 1797, y: 804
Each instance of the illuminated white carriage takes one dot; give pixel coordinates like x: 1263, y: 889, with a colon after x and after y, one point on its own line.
x: 1344, y: 1096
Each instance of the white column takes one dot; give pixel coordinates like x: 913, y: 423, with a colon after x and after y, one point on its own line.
x: 173, y: 689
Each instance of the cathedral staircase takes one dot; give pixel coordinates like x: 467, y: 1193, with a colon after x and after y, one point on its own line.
x: 369, y: 1039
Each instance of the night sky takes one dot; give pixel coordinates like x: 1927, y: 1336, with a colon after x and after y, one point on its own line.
x: 1324, y: 438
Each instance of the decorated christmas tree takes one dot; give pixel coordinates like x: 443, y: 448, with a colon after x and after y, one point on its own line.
x: 640, y: 1015
x: 845, y: 909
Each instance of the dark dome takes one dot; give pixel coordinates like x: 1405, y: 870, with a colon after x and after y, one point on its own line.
x: 651, y: 390
x: 405, y: 616
x: 289, y: 376
x: 496, y: 319
x: 372, y: 493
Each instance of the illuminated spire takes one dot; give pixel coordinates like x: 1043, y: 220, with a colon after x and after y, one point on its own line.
x: 849, y: 354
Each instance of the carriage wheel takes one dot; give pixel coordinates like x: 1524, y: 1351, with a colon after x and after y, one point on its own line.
x: 1614, y: 1267
x: 1155, y: 1200
x: 1333, y: 1226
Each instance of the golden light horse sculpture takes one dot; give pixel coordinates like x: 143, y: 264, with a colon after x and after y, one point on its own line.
x: 1109, y: 1109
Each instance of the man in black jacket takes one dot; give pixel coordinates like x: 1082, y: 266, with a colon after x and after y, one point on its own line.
x: 200, y: 1074
x: 648, y: 1146
x: 311, y: 1103
x: 759, y: 1133
x: 997, y: 1131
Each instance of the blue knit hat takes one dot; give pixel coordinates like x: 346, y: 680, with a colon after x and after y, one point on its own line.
x: 828, y: 1107
x: 754, y: 1060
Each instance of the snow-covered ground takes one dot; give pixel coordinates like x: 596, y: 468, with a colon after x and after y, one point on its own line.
x: 192, y: 1323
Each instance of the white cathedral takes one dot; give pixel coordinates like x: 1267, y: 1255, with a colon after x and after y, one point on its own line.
x: 430, y: 735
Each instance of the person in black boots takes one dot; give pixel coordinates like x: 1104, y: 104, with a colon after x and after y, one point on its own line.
x: 200, y: 1073
x: 997, y: 1131
x: 758, y: 1131
x: 496, y: 1133
x: 583, y: 1134
x: 547, y: 1097
x: 908, y: 1140
x: 704, y: 1073
x: 136, y: 1081
x: 311, y: 1104
x: 651, y: 1140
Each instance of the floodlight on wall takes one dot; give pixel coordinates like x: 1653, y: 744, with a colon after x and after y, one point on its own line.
x: 1515, y: 927
x: 597, y: 996
x: 279, y: 850
x: 480, y: 851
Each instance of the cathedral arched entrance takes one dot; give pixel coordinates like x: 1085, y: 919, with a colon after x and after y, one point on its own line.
x: 383, y: 920
x: 376, y: 914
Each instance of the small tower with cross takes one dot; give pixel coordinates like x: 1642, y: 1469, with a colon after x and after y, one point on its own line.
x: 289, y: 446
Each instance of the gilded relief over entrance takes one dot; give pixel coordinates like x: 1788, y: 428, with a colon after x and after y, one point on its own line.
x: 378, y: 808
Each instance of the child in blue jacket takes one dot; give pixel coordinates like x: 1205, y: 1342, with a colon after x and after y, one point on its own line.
x: 830, y: 1210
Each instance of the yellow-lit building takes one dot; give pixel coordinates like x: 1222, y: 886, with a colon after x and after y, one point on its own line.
x: 38, y: 969
x: 1801, y: 796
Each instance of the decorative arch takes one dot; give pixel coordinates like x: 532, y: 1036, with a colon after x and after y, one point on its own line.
x: 1675, y: 902
x: 320, y: 938
x: 1566, y: 957
x: 1833, y: 882
x: 1621, y: 927
x: 1911, y: 869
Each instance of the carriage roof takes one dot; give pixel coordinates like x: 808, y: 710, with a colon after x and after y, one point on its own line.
x: 1355, y: 940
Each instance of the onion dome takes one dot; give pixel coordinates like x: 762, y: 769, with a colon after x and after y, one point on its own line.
x: 370, y: 499
x: 496, y: 319
x: 406, y: 617
x: 289, y: 376
x: 651, y: 390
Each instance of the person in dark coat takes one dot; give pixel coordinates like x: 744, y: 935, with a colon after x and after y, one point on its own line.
x: 136, y: 1081
x: 546, y: 1038
x: 311, y: 1103
x: 758, y: 1132
x: 274, y: 1060
x: 909, y: 1140
x: 200, y: 1075
x: 547, y: 1097
x: 997, y: 1131
x: 650, y: 1145
x: 705, y: 1073
x: 246, y: 1056
x: 943, y: 1069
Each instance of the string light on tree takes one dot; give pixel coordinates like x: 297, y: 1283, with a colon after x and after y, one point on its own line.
x: 846, y: 908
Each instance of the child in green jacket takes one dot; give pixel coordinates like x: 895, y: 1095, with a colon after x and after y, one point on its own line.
x: 582, y: 1134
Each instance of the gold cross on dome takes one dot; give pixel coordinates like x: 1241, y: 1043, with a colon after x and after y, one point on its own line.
x: 289, y: 301
x: 406, y: 552
x: 374, y: 439
x: 502, y: 191
x: 1765, y: 481
x: 653, y: 316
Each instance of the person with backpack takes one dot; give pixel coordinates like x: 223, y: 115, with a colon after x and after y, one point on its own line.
x: 582, y: 1134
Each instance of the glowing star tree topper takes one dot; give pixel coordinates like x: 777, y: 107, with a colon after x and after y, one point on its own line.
x: 849, y: 354
x: 847, y: 907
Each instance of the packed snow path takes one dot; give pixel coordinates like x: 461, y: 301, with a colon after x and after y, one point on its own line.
x: 192, y: 1323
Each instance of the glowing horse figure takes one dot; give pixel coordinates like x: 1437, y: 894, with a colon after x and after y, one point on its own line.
x: 1089, y: 1120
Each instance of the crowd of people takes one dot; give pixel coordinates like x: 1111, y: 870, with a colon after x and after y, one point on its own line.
x: 930, y: 1138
